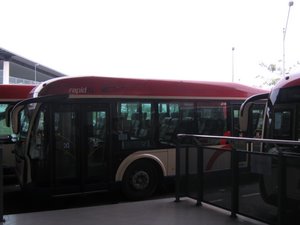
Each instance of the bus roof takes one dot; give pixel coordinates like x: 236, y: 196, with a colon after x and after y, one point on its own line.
x: 288, y: 81
x: 95, y: 86
x: 9, y: 92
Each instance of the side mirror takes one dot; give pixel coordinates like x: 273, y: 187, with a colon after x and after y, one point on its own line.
x: 15, y: 117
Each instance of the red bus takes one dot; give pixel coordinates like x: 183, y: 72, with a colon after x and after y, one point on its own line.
x: 10, y: 94
x: 84, y: 134
x: 281, y: 121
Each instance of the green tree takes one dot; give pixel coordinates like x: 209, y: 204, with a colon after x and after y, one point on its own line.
x: 276, y: 72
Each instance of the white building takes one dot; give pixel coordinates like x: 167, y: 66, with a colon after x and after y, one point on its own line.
x: 15, y: 69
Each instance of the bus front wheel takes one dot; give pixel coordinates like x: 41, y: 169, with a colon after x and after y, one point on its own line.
x: 140, y: 180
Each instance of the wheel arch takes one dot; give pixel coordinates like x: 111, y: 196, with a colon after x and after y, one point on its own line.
x: 133, y: 158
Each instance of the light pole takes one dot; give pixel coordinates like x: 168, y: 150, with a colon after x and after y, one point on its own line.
x: 35, y: 66
x: 291, y: 3
x: 232, y: 62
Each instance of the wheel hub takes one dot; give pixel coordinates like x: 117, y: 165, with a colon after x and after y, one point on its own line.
x: 140, y: 180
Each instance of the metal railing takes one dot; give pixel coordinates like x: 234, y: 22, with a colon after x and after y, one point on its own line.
x: 1, y: 186
x: 251, y: 179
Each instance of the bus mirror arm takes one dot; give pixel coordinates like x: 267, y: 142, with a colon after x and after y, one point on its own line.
x: 245, y: 108
x: 244, y: 112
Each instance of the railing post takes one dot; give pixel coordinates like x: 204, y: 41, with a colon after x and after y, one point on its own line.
x: 281, y: 188
x: 177, y: 176
x: 186, y: 183
x: 200, y: 175
x: 2, y: 220
x: 235, y: 183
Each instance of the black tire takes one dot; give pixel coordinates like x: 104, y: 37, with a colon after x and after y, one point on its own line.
x: 140, y: 180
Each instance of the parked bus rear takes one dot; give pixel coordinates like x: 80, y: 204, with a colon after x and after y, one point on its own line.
x: 10, y: 94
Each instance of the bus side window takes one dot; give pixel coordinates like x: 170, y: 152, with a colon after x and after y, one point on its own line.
x: 135, y: 125
x: 211, y: 118
x: 187, y: 123
x: 24, y: 123
x: 168, y: 122
x: 147, y: 126
x: 282, y: 127
x: 5, y: 130
x: 298, y: 124
x: 235, y: 123
x: 37, y: 146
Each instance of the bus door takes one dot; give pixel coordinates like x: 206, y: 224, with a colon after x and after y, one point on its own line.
x: 235, y: 132
x: 95, y: 148
x: 80, y: 147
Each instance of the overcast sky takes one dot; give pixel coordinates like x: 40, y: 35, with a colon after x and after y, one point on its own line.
x: 182, y: 39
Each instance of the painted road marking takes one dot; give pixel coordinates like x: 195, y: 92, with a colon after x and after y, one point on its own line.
x: 250, y: 195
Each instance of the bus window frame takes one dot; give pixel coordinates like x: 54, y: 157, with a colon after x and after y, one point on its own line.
x: 281, y: 108
x: 20, y: 106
